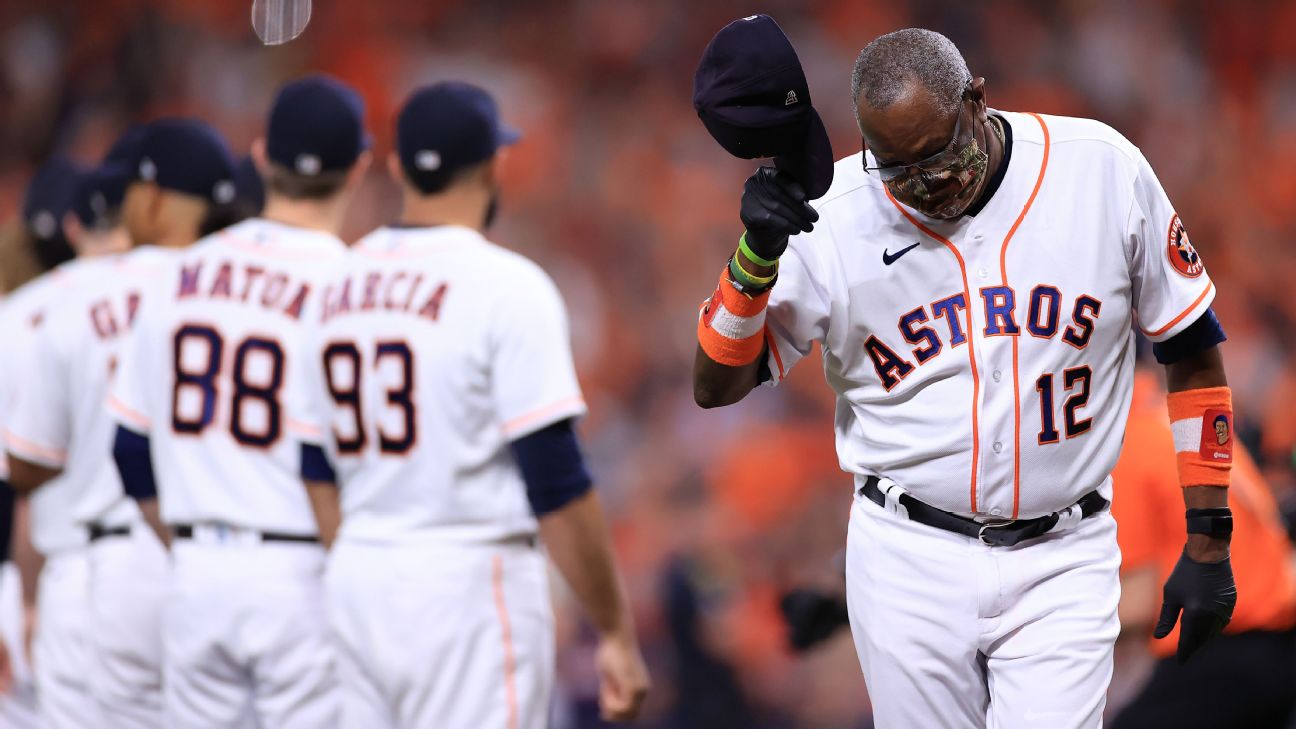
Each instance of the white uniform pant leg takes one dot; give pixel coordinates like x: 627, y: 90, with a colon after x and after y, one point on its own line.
x: 912, y: 597
x: 18, y: 707
x: 444, y: 637
x: 1049, y: 659
x: 245, y: 635
x: 62, y: 648
x: 128, y: 581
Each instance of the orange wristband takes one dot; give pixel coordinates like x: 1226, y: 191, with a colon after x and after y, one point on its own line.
x: 731, y: 324
x: 1202, y: 421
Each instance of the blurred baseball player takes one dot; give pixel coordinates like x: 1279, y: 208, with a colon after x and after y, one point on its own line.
x: 203, y: 442
x: 973, y: 278
x: 447, y: 395
x: 172, y: 173
x: 49, y: 197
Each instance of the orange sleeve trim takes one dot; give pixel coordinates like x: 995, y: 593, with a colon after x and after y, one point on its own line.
x: 32, y: 451
x: 139, y: 420
x: 575, y: 402
x: 773, y: 348
x: 1210, y: 286
x: 731, y: 352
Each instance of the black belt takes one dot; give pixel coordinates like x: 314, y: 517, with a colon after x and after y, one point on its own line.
x: 994, y: 534
x: 186, y: 531
x: 99, y: 531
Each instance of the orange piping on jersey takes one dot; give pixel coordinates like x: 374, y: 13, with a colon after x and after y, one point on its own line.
x: 1209, y: 287
x: 971, y: 335
x: 1003, y: 272
x: 522, y: 421
x: 34, y: 451
x: 773, y: 348
x: 510, y: 664
x: 139, y: 420
x: 303, y: 429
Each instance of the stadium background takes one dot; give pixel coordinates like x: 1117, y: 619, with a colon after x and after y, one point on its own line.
x: 620, y: 194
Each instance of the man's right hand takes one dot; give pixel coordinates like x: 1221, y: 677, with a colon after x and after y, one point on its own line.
x: 623, y: 677
x: 774, y: 207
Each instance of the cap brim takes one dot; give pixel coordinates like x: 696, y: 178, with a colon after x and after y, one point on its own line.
x: 812, y: 165
x: 506, y: 135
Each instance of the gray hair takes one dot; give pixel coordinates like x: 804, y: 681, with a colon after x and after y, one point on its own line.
x: 887, y: 66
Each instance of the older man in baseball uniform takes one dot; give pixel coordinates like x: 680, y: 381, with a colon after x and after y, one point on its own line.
x: 974, y: 278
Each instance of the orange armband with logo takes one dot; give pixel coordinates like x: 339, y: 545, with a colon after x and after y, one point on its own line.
x: 1202, y: 421
x: 731, y: 324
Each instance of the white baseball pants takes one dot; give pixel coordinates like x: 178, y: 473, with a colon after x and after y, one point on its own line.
x: 128, y: 581
x: 18, y: 707
x: 61, y: 648
x: 442, y: 637
x: 954, y: 634
x: 245, y: 638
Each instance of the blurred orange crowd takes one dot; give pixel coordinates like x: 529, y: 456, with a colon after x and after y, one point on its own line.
x: 620, y: 194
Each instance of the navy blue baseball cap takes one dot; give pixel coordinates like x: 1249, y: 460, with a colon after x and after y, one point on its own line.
x: 49, y: 197
x: 446, y: 127
x: 101, y: 192
x: 183, y: 155
x: 316, y: 125
x: 751, y: 94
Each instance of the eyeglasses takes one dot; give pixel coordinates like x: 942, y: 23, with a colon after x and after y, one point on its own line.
x: 950, y: 155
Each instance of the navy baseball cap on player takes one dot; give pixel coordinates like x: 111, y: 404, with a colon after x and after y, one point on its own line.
x: 101, y: 192
x: 751, y: 94
x: 49, y: 196
x: 316, y: 126
x: 446, y: 127
x: 182, y: 155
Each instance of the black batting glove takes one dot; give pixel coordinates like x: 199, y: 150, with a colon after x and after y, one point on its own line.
x: 812, y: 617
x: 774, y: 206
x: 1206, y: 594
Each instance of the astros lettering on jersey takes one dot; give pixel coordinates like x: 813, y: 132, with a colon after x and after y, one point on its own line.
x: 984, y: 363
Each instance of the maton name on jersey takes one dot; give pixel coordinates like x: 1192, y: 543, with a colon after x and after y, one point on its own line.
x: 246, y: 283
x: 1043, y: 310
x: 388, y: 291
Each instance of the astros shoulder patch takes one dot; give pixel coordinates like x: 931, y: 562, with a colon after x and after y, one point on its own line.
x: 1180, y: 250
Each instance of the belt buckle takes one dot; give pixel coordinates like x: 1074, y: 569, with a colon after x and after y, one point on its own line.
x: 991, y: 524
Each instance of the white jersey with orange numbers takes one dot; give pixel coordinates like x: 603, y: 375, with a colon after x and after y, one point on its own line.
x: 59, y: 419
x: 438, y: 348
x: 53, y: 528
x: 984, y: 364
x: 211, y: 362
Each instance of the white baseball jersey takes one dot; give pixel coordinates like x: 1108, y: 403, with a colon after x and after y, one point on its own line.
x: 52, y: 525
x: 59, y: 418
x: 436, y: 349
x: 209, y: 367
x: 985, y: 363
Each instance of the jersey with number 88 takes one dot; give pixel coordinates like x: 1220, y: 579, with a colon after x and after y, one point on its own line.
x: 210, y: 370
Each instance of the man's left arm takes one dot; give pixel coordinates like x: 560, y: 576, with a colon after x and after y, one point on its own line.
x: 1200, y: 592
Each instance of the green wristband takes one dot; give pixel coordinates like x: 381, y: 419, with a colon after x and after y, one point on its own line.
x: 750, y: 254
x: 740, y: 275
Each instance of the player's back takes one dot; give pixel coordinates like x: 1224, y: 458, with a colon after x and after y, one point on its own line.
x: 217, y: 347
x: 438, y: 349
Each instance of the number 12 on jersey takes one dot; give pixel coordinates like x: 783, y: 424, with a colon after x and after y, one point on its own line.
x: 1076, y: 381
x: 344, y: 368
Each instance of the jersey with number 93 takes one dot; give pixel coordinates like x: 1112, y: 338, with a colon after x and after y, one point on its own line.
x: 210, y: 367
x: 436, y: 349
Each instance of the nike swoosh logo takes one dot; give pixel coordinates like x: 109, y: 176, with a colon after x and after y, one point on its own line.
x: 889, y: 259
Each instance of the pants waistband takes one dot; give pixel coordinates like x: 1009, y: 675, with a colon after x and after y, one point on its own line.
x: 1000, y: 533
x: 99, y: 531
x: 217, y: 533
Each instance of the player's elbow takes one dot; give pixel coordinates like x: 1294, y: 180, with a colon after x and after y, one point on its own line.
x: 26, y: 476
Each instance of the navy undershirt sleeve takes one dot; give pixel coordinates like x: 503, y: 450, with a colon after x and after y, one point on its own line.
x: 1200, y: 336
x: 7, y: 497
x: 135, y: 464
x: 315, y: 464
x: 552, y: 467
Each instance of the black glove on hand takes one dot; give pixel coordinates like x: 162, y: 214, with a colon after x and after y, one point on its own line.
x: 812, y: 617
x: 774, y: 207
x: 1206, y: 594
